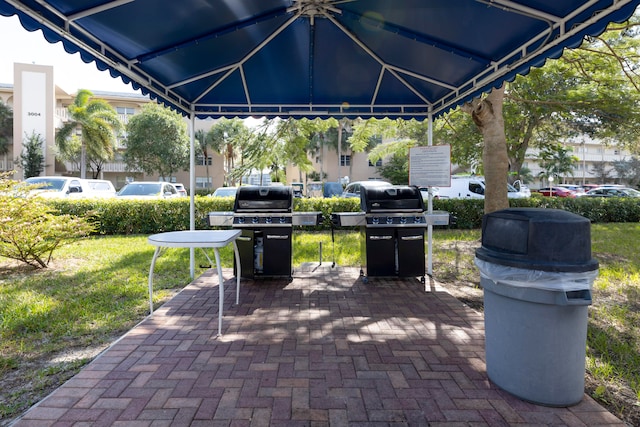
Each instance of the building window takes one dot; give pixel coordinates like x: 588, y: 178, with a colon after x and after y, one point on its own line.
x: 378, y: 163
x: 345, y: 160
x: 125, y: 110
x: 200, y: 161
x: 203, y: 182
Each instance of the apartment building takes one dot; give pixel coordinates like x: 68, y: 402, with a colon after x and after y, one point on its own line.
x: 591, y: 154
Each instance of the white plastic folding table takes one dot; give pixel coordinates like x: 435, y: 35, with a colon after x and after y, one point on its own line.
x: 202, y: 239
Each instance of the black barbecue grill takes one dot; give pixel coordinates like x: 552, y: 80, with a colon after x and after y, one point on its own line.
x: 392, y: 221
x: 266, y: 217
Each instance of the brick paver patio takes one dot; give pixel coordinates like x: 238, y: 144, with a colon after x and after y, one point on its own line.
x: 322, y: 350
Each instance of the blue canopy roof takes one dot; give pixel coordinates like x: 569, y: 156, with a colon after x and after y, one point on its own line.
x: 317, y: 58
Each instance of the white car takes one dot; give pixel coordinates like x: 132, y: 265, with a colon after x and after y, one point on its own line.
x: 101, y: 188
x: 353, y: 189
x: 181, y: 190
x: 224, y: 192
x: 148, y: 190
x: 59, y: 187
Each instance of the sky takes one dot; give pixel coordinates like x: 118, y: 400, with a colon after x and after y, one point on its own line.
x: 69, y: 71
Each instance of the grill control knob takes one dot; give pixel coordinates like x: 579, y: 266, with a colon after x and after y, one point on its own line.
x: 389, y: 220
x: 282, y: 220
x: 268, y: 220
x: 419, y: 219
x: 240, y: 220
x: 375, y: 220
x: 254, y: 220
x: 403, y: 220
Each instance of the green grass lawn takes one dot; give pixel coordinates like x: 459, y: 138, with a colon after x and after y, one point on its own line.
x: 96, y: 289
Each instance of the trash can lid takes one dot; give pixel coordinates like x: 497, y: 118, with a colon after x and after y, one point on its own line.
x: 537, y: 239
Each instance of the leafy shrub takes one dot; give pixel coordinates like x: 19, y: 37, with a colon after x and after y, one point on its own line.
x: 115, y: 216
x: 30, y: 230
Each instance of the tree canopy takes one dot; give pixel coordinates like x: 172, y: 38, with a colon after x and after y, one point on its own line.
x: 157, y: 142
x: 98, y: 123
x: 32, y: 159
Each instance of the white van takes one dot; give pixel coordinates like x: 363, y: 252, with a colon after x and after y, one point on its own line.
x: 472, y: 187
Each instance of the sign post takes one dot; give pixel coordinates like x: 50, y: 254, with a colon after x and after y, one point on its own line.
x: 430, y: 166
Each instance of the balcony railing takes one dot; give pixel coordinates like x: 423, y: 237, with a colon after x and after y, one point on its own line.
x: 62, y: 114
x: 107, y: 167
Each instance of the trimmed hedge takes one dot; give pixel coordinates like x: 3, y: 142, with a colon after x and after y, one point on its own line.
x: 115, y: 216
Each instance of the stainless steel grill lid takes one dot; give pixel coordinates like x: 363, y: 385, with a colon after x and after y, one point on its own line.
x: 398, y: 199
x: 265, y: 207
x: 263, y: 199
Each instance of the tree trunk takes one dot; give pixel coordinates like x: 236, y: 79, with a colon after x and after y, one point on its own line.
x: 83, y: 161
x: 487, y: 115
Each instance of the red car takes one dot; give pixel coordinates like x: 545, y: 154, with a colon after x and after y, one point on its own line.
x: 557, y: 192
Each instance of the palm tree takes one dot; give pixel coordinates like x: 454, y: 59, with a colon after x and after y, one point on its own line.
x: 6, y: 127
x: 203, y: 144
x: 98, y: 123
x: 557, y: 161
x: 225, y: 137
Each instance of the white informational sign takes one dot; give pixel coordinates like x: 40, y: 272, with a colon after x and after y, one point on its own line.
x: 430, y: 166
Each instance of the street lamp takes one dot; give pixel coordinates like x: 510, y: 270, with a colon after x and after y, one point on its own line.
x: 551, y: 186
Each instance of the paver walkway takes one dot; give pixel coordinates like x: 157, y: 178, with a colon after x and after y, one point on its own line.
x: 324, y: 349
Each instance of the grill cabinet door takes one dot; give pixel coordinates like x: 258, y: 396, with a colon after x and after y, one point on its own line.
x: 411, y: 252
x: 277, y: 251
x: 381, y: 251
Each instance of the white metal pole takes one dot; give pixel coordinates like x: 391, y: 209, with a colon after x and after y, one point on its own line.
x: 192, y: 186
x: 339, y: 149
x: 430, y: 202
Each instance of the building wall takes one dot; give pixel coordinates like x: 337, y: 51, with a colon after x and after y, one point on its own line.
x: 33, y: 111
x: 354, y: 167
x: 589, y: 153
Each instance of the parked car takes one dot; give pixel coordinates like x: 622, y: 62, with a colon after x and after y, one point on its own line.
x: 324, y: 189
x: 148, y: 190
x: 613, y: 192
x: 353, y: 189
x: 332, y: 189
x: 182, y: 192
x: 577, y: 189
x: 59, y: 187
x: 101, y: 188
x: 588, y: 187
x: 298, y: 189
x: 522, y: 188
x: 225, y: 192
x: 556, y: 192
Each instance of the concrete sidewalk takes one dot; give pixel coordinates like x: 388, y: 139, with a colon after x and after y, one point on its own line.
x: 324, y: 349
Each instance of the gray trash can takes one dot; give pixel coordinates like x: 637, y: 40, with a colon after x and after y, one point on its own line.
x: 536, y: 271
